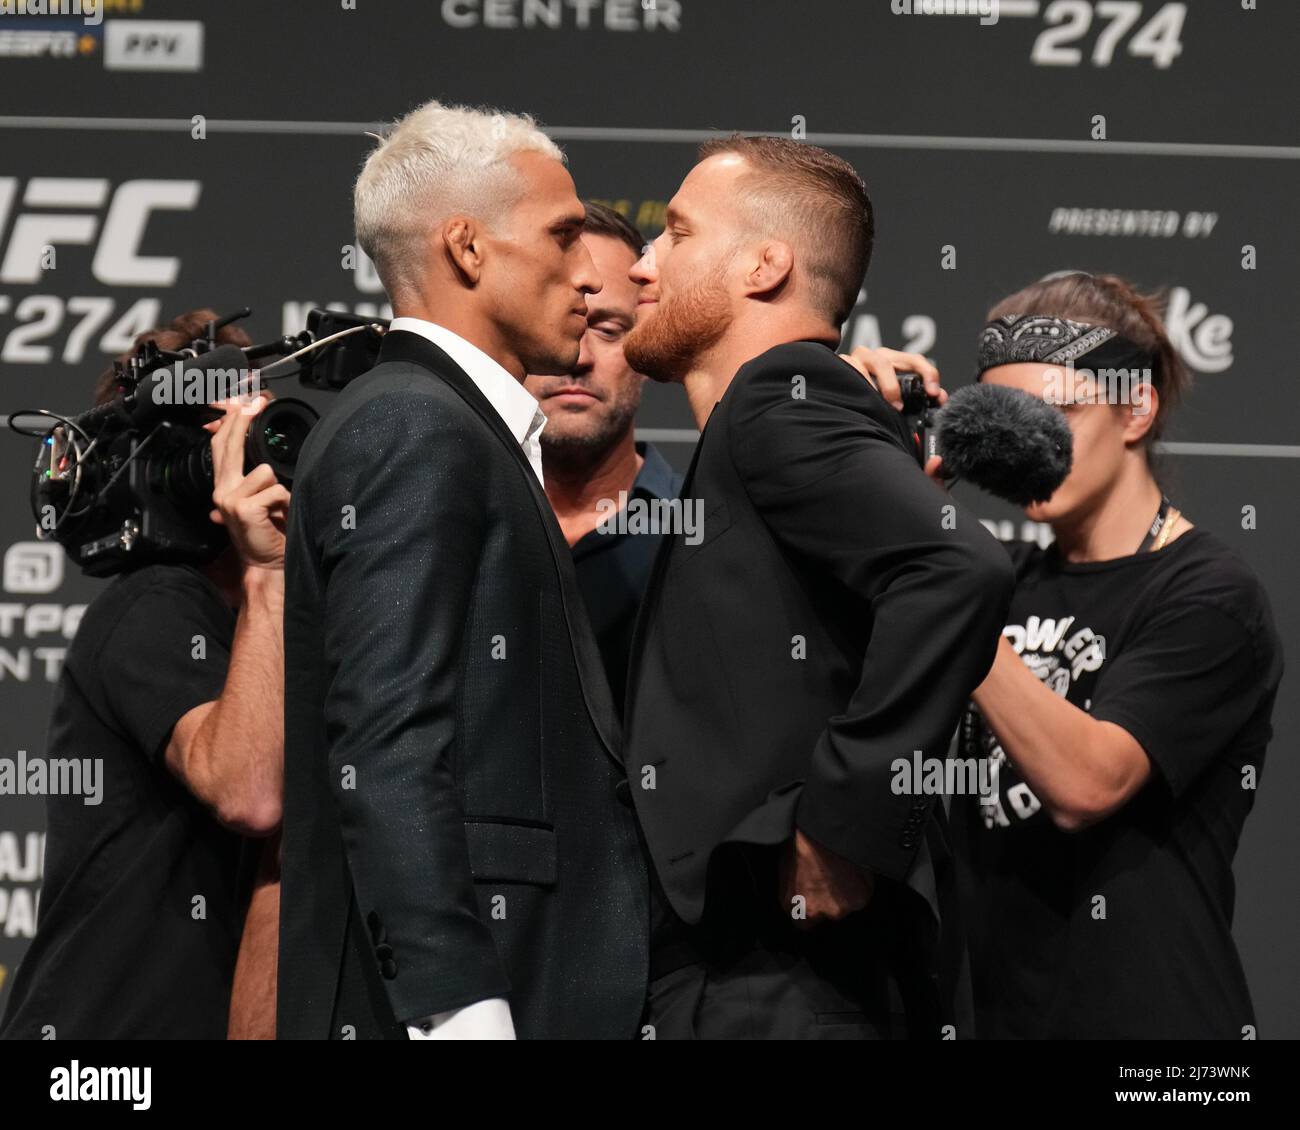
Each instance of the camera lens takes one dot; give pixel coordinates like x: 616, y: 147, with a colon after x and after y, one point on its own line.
x: 184, y: 474
x: 278, y: 436
x: 285, y: 438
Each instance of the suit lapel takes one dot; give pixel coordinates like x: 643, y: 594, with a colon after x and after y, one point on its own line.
x: 410, y: 347
x: 402, y: 345
x: 645, y: 615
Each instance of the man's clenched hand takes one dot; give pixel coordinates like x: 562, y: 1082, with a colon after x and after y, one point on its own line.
x: 830, y: 886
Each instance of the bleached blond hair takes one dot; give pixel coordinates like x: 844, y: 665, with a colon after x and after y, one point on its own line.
x: 434, y: 163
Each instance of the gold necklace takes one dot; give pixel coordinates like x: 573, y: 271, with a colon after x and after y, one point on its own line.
x: 1167, y: 529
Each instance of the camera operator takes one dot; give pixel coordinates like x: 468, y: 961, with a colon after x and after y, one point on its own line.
x: 1124, y: 722
x: 1126, y: 744
x: 174, y: 681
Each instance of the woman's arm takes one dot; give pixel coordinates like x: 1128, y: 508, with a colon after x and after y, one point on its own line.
x: 1080, y: 768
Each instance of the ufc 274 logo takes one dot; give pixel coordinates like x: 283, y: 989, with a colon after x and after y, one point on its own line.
x: 70, y: 211
x: 1068, y: 22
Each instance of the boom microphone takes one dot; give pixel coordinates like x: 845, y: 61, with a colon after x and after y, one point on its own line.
x: 1005, y: 441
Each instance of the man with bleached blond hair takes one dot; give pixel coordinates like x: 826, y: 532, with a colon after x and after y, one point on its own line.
x: 456, y: 860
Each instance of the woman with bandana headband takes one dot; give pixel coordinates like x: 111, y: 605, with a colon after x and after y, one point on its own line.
x: 1120, y: 734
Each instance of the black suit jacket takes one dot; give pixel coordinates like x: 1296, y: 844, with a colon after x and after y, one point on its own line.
x: 833, y: 618
x: 451, y: 827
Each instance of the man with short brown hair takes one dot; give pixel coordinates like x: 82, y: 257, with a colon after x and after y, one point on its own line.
x: 821, y: 628
x: 600, y: 479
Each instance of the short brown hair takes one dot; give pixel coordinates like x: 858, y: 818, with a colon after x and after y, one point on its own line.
x: 1114, y: 302
x: 803, y: 192
x: 603, y: 220
x: 182, y: 330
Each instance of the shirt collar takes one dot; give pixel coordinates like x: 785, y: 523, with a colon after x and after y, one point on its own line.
x: 656, y: 476
x: 512, y: 402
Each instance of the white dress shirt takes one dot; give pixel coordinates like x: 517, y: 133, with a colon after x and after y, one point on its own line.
x: 513, y: 403
x: 485, y: 1019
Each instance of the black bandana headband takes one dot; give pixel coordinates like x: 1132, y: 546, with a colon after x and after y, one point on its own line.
x: 1041, y: 338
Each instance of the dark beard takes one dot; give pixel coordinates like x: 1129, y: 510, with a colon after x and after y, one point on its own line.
x: 579, y: 450
x: 666, y: 346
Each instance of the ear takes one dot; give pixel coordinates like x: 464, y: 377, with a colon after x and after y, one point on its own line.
x: 770, y: 270
x: 462, y: 243
x: 1141, y: 413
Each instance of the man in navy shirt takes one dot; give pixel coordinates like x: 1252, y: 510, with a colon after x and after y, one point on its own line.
x: 602, y: 483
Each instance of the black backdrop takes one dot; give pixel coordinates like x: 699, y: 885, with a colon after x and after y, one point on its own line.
x: 178, y: 155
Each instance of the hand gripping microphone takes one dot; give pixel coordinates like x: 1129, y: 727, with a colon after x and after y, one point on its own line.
x: 1003, y: 440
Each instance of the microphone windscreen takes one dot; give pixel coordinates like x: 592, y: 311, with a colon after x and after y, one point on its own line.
x: 1005, y: 441
x: 218, y: 373
x: 222, y: 357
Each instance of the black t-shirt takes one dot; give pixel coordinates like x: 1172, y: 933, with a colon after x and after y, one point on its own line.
x: 1177, y: 647
x: 144, y: 894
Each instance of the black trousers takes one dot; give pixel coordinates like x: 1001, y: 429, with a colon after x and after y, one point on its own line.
x: 814, y: 990
x: 747, y: 972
